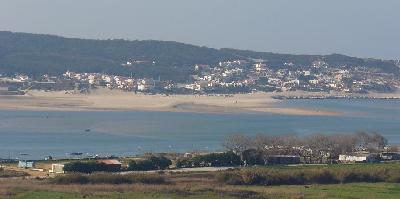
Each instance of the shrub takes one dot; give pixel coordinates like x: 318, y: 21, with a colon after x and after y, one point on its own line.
x: 87, y: 167
x: 108, y: 178
x: 255, y: 178
x: 393, y: 178
x: 10, y: 173
x: 298, y: 176
x: 353, y: 175
x: 320, y: 176
x: 104, y: 178
x: 72, y: 178
x: 148, y: 178
x: 141, y: 165
x: 230, y: 178
x: 151, y: 163
x: 160, y: 163
x: 213, y: 159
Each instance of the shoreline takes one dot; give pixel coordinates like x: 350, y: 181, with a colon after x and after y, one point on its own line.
x: 113, y: 100
x: 282, y: 97
x: 208, y: 110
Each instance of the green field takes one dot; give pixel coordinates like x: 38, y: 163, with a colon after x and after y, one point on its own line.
x: 356, y: 190
x: 206, y: 185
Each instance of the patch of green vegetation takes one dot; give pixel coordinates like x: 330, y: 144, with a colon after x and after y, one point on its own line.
x: 212, y: 159
x: 150, y: 163
x: 345, y: 191
x: 359, y: 190
x: 320, y: 174
x: 115, y: 195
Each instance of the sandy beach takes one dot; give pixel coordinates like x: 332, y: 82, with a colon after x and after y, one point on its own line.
x: 104, y: 99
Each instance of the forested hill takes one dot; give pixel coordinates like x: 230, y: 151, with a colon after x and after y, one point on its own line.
x: 275, y: 59
x: 36, y: 54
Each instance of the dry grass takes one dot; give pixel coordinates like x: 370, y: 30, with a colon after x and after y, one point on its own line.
x: 193, y: 185
x: 332, y: 174
x: 6, y: 173
x: 181, y: 185
x: 31, y: 188
x: 108, y: 178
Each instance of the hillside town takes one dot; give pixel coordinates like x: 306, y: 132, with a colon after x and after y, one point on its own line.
x: 227, y: 77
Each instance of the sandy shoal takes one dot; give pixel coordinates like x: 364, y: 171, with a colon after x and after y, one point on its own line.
x: 104, y: 99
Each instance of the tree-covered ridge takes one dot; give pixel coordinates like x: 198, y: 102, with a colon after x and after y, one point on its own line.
x: 35, y: 54
x: 277, y: 60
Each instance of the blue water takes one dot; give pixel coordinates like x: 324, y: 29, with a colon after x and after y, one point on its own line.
x: 42, y: 133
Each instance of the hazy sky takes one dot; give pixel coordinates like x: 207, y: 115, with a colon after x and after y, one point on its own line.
x: 366, y: 28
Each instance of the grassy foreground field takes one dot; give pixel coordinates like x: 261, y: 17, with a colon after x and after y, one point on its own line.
x: 356, y: 190
x: 197, y: 185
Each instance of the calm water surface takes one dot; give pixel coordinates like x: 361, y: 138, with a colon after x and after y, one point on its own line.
x: 42, y: 133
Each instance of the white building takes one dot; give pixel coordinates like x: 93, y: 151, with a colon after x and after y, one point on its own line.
x: 145, y: 84
x: 57, y: 168
x: 21, y: 78
x: 368, y: 157
x: 313, y: 81
x: 260, y: 67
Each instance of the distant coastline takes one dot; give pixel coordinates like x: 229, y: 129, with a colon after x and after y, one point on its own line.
x: 282, y: 97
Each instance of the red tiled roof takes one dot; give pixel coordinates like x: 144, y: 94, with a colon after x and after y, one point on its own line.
x: 114, y: 162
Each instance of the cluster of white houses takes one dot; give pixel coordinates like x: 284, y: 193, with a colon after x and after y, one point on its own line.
x: 317, y: 77
x: 112, y: 81
x: 230, y: 76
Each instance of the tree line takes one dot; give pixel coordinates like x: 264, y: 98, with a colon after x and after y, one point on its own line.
x: 315, y: 148
x: 244, y: 150
x: 145, y: 164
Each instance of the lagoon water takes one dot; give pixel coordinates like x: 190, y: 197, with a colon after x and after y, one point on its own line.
x: 58, y: 133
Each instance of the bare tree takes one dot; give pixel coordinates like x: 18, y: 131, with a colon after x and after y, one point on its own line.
x: 321, y: 146
x: 262, y: 141
x: 238, y: 143
x: 370, y: 141
x: 343, y: 144
x: 378, y: 140
x: 315, y: 147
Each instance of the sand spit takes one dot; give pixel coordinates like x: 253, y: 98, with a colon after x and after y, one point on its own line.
x: 104, y: 99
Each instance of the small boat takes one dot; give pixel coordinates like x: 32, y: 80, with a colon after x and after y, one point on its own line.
x: 87, y: 130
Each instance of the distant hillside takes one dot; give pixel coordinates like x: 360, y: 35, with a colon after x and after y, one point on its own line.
x: 37, y: 54
x: 275, y: 59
